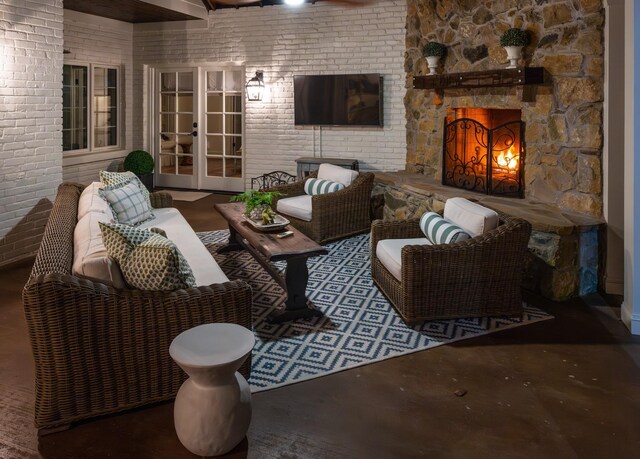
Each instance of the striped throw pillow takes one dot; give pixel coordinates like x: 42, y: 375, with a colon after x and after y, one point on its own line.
x: 440, y: 231
x: 318, y: 186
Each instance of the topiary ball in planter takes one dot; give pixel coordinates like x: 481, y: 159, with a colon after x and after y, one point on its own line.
x: 514, y: 37
x: 433, y: 49
x: 141, y: 163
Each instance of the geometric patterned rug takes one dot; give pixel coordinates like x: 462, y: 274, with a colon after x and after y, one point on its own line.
x: 359, y: 325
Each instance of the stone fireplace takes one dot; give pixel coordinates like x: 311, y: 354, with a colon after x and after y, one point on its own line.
x: 563, y: 118
x: 483, y: 150
x: 562, y: 183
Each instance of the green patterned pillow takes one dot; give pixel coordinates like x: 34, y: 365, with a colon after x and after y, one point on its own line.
x: 128, y: 204
x: 116, y: 178
x: 148, y: 261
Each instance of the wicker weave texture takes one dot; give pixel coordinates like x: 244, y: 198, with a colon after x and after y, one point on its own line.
x: 477, y: 277
x: 335, y: 215
x: 98, y: 350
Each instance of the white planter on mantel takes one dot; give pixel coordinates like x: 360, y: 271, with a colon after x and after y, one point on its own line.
x: 432, y: 63
x: 514, y: 53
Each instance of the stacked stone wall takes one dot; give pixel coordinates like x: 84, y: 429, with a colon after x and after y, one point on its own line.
x: 564, y: 131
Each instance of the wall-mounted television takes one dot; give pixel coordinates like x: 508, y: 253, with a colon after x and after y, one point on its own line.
x: 338, y: 100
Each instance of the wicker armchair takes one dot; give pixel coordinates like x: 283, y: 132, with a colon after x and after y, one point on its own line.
x: 481, y: 276
x: 335, y: 215
x: 100, y: 350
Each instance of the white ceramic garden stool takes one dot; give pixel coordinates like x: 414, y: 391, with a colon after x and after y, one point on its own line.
x: 212, y: 411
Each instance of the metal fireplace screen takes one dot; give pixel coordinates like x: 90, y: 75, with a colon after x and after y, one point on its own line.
x: 484, y: 151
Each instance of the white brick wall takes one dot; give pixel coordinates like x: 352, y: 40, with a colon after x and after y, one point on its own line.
x: 30, y: 121
x: 97, y: 40
x: 282, y: 41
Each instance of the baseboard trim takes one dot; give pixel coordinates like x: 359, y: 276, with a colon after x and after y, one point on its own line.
x: 614, y: 286
x: 632, y: 321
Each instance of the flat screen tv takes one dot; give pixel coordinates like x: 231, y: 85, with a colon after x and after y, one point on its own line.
x: 338, y: 100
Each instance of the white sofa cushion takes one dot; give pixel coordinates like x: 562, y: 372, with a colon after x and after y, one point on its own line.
x: 205, y: 269
x: 389, y: 252
x: 91, y: 201
x: 90, y: 259
x: 336, y: 174
x: 297, y: 206
x: 471, y: 217
x: 440, y: 231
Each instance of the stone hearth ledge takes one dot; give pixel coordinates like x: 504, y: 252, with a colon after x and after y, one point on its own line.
x: 563, y: 245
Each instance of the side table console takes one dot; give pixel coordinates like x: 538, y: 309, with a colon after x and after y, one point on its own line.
x: 308, y: 165
x: 212, y: 410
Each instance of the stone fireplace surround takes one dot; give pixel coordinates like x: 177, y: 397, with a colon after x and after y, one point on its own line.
x: 564, y: 132
x: 564, y: 126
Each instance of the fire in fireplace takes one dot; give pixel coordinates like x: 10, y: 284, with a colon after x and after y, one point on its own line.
x: 484, y: 150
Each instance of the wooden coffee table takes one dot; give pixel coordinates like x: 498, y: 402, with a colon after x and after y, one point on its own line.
x: 265, y: 247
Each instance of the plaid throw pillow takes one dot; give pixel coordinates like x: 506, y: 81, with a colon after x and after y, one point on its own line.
x: 127, y: 203
x: 440, y: 231
x: 148, y: 261
x: 116, y: 178
x: 318, y: 186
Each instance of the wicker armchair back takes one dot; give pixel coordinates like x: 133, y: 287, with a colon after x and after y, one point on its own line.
x: 99, y: 350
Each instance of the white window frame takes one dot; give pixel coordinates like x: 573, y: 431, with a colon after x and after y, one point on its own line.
x: 90, y: 109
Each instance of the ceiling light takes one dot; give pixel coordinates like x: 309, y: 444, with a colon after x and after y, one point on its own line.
x: 294, y: 2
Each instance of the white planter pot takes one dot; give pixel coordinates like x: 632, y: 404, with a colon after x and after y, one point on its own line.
x: 433, y: 62
x: 514, y: 53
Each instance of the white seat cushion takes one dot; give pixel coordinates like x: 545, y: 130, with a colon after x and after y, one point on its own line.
x: 336, y: 174
x: 90, y: 259
x: 297, y: 206
x: 91, y: 201
x: 205, y: 269
x: 389, y: 252
x: 471, y: 217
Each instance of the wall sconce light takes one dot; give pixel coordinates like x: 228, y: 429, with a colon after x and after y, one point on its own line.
x: 255, y: 87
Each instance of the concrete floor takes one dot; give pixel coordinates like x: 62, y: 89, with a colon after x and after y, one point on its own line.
x: 562, y: 388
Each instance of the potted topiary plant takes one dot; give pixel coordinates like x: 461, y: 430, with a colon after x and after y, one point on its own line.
x: 433, y: 51
x: 513, y: 40
x: 141, y: 163
x: 258, y: 205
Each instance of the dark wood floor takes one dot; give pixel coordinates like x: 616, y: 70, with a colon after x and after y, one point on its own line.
x: 562, y: 388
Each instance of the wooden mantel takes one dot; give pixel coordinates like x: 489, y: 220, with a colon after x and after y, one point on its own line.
x: 481, y: 79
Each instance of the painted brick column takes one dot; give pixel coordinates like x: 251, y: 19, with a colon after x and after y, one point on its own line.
x: 30, y: 121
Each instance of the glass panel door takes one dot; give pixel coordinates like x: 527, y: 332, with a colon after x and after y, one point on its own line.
x: 176, y: 128
x: 222, y: 165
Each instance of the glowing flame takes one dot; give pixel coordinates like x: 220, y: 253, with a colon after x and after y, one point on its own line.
x: 508, y: 160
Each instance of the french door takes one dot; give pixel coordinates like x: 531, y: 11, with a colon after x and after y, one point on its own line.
x: 198, y: 127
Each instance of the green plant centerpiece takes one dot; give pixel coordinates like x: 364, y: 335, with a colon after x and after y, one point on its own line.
x: 141, y: 163
x: 433, y: 49
x: 258, y: 205
x: 514, y: 37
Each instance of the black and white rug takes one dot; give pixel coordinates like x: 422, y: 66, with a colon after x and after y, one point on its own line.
x: 359, y: 325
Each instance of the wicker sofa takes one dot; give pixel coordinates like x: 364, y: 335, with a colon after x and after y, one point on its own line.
x: 98, y: 349
x: 480, y: 276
